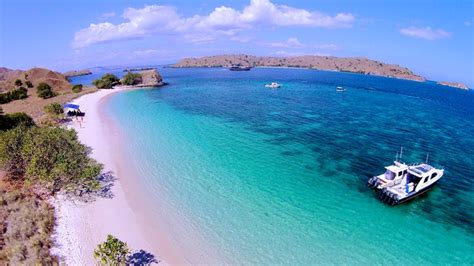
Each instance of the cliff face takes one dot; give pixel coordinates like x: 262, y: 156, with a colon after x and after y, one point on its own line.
x: 356, y: 64
x: 151, y: 78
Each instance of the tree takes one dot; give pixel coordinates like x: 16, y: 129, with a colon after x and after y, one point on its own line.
x: 106, y: 82
x: 44, y: 91
x: 111, y: 252
x: 29, y: 84
x: 131, y: 78
x: 51, y: 157
x: 18, y: 94
x: 18, y: 82
x: 77, y: 88
x: 12, y: 120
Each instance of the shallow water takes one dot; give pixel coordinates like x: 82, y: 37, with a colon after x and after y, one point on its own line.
x: 279, y: 176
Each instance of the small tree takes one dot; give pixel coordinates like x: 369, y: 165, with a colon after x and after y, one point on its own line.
x: 77, y: 88
x: 44, y: 91
x: 111, y: 252
x: 54, y: 109
x: 29, y: 84
x: 132, y: 78
x: 18, y: 82
x: 106, y: 82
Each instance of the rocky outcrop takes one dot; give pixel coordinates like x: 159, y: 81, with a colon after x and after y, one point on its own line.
x: 75, y: 73
x: 36, y: 75
x: 343, y: 64
x: 454, y: 85
x: 151, y: 78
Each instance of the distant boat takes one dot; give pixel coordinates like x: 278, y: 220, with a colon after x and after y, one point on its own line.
x: 273, y: 85
x: 340, y: 89
x: 239, y: 68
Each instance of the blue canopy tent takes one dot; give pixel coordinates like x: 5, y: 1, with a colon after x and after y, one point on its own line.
x: 71, y: 106
x: 73, y: 110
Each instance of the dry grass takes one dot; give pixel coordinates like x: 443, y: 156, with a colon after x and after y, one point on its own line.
x: 26, y: 225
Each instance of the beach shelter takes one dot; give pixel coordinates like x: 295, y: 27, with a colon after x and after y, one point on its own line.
x: 71, y: 108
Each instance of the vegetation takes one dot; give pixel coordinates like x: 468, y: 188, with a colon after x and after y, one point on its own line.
x: 106, y: 82
x: 18, y: 82
x: 26, y: 225
x: 29, y: 84
x: 44, y: 91
x: 112, y: 252
x: 16, y: 94
x: 77, y: 88
x: 48, y: 157
x: 131, y: 78
x: 9, y: 121
x: 54, y: 109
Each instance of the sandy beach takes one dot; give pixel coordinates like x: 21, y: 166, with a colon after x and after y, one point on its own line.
x: 81, y: 226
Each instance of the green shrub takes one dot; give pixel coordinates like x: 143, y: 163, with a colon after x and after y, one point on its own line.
x: 18, y: 82
x: 54, y: 109
x: 77, y: 88
x: 12, y: 120
x: 131, y: 78
x: 44, y: 91
x: 112, y: 252
x: 106, y: 82
x: 29, y: 84
x: 16, y: 94
x: 51, y: 157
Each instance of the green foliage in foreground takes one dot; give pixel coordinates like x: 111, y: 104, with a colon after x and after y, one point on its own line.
x: 18, y: 82
x: 131, y: 78
x: 106, y: 82
x: 54, y: 109
x: 16, y: 94
x: 77, y: 88
x: 112, y: 252
x: 45, y: 91
x: 49, y: 157
x: 27, y: 227
x: 9, y: 121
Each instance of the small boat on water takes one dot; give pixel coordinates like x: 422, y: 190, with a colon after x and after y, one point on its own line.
x: 401, y: 182
x: 239, y: 68
x: 340, y: 89
x: 273, y: 85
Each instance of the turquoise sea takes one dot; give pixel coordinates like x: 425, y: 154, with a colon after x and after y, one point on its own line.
x: 279, y: 176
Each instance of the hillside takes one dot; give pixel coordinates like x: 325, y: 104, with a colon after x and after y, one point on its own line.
x: 33, y: 105
x: 344, y: 64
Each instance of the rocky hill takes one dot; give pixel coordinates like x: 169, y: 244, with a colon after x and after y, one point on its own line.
x: 454, y: 85
x: 35, y: 75
x: 344, y: 64
x: 75, y: 73
x: 151, y: 78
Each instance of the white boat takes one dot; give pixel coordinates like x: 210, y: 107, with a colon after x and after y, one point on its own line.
x: 402, y: 182
x: 419, y: 179
x: 340, y: 89
x: 273, y: 85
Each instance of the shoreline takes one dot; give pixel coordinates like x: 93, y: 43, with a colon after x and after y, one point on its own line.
x: 81, y: 226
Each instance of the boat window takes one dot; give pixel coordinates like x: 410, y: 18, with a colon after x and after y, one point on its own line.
x: 389, y: 175
x: 412, y: 178
x: 399, y: 173
x: 433, y: 175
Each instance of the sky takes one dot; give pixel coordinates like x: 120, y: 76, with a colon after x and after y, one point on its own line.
x: 432, y: 38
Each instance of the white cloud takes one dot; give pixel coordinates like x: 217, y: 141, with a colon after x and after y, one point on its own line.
x: 226, y: 21
x: 290, y: 43
x: 328, y: 46
x: 107, y: 15
x: 426, y: 33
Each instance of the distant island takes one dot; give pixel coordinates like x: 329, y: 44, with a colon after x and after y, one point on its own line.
x: 454, y: 85
x: 75, y: 73
x: 344, y: 64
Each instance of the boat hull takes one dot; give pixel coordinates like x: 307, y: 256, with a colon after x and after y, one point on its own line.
x: 389, y: 198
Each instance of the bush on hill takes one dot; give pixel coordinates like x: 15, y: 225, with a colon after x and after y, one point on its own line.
x: 9, y: 121
x: 29, y: 84
x: 54, y: 109
x: 77, y: 88
x: 131, y: 78
x: 49, y: 157
x: 18, y: 82
x: 16, y: 94
x: 44, y: 91
x: 106, y: 82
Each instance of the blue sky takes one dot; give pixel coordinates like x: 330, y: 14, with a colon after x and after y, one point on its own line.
x: 433, y: 38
